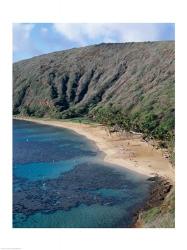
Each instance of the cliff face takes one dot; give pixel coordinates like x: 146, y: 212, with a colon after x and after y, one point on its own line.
x: 136, y: 77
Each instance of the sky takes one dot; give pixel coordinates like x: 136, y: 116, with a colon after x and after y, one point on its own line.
x: 32, y: 39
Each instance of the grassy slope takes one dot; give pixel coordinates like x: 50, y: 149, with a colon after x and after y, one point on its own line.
x: 162, y: 216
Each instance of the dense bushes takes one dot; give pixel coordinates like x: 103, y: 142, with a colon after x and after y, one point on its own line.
x: 148, y: 123
x: 110, y: 116
x: 74, y: 112
x: 34, y: 110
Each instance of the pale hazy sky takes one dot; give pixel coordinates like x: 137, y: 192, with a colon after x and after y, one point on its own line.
x: 31, y: 39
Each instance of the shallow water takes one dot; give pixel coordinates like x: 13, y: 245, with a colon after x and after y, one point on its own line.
x: 60, y: 180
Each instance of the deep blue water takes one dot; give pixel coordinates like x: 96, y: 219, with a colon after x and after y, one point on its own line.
x: 60, y: 180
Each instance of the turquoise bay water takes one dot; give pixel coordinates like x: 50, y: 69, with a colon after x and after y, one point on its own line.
x: 60, y: 180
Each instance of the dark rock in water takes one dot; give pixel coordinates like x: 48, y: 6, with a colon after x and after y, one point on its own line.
x: 73, y: 188
x: 103, y: 192
x: 158, y: 192
x: 154, y: 178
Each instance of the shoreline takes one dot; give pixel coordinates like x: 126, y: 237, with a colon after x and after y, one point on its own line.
x: 132, y: 152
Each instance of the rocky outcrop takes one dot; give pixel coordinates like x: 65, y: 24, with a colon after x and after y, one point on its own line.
x: 159, y: 210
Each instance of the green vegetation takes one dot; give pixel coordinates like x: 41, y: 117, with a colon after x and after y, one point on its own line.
x: 34, y: 110
x: 151, y: 125
x: 162, y: 216
x: 110, y: 117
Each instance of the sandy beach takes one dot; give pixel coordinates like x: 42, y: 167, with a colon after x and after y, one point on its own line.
x: 131, y: 152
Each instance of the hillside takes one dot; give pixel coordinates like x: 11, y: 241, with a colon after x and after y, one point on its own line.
x: 128, y: 86
x: 131, y: 81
